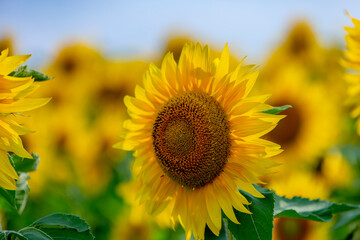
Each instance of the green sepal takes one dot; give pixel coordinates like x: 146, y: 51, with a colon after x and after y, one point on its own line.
x: 25, y: 71
x: 25, y: 164
x: 276, y: 110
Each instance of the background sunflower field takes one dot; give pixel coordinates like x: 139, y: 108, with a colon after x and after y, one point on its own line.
x: 97, y: 52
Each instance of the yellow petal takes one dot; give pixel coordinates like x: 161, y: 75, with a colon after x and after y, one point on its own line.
x: 11, y: 63
x: 23, y: 105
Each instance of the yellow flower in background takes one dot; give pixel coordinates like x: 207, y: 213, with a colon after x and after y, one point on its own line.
x: 300, y: 47
x: 333, y: 170
x: 299, y: 183
x: 352, y: 61
x: 310, y: 126
x: 300, y: 229
x: 13, y: 99
x: 136, y: 223
x: 196, y: 136
x: 125, y: 228
x: 90, y: 100
x: 77, y: 70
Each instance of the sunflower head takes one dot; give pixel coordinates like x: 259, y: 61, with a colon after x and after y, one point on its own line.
x: 196, y: 136
x: 13, y: 99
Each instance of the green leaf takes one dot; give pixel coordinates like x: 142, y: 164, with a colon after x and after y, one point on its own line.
x: 15, y: 201
x: 303, y: 208
x: 34, y: 234
x: 350, y: 152
x: 347, y: 224
x: 64, y: 226
x: 67, y: 234
x: 57, y: 226
x: 7, y: 200
x: 347, y: 218
x: 276, y: 110
x: 62, y: 220
x: 255, y: 226
x: 25, y: 164
x: 25, y: 71
x: 5, y: 235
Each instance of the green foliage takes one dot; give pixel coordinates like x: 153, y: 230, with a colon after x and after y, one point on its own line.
x: 257, y: 225
x: 11, y: 235
x: 25, y: 71
x: 64, y: 220
x: 351, y: 153
x: 348, y: 225
x: 55, y: 226
x: 276, y: 110
x: 25, y: 164
x: 303, y: 208
x: 15, y: 201
x: 7, y: 200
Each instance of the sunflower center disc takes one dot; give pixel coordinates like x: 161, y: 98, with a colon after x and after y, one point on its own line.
x: 191, y: 138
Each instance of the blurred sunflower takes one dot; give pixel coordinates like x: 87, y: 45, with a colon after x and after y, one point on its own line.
x: 300, y: 48
x: 90, y: 99
x: 299, y: 229
x: 13, y: 99
x: 77, y: 69
x: 196, y: 136
x: 128, y: 228
x: 136, y: 221
x: 308, y: 130
x: 352, y: 61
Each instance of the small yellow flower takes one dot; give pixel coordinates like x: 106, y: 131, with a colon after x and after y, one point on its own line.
x: 196, y: 136
x: 13, y: 99
x: 352, y: 61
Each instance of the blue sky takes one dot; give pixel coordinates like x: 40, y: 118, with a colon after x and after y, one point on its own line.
x: 135, y: 29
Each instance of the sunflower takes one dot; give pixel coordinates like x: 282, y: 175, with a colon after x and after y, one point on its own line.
x: 196, y: 136
x: 308, y: 130
x: 13, y: 93
x: 300, y: 48
x: 303, y: 50
x: 352, y: 61
x: 300, y: 229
